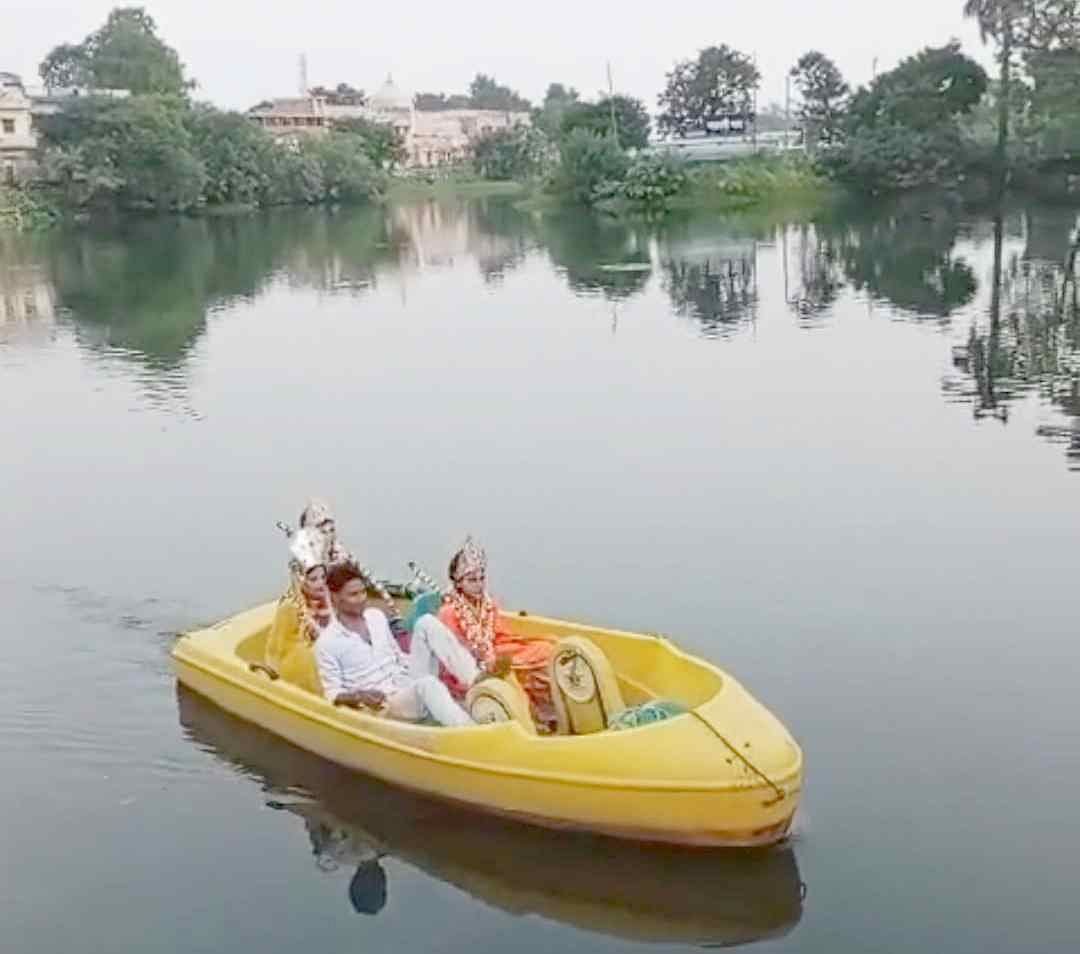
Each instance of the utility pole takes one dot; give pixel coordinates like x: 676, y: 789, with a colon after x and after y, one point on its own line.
x: 611, y: 103
x: 303, y: 75
x: 787, y: 109
x: 753, y: 135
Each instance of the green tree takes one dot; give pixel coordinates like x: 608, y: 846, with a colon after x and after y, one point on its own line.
x: 237, y: 157
x: 154, y: 152
x: 66, y: 65
x: 903, y: 131
x: 630, y: 125
x: 893, y: 158
x: 125, y: 53
x: 138, y: 151
x: 1053, y: 121
x: 297, y: 176
x: 557, y: 101
x: 1050, y: 24
x: 507, y: 154
x: 341, y: 95
x: 937, y: 85
x: 348, y: 175
x: 718, y: 85
x: 591, y: 167
x: 999, y: 19
x: 824, y: 93
x: 440, y: 102
x: 486, y: 93
x: 382, y: 143
x: 84, y: 175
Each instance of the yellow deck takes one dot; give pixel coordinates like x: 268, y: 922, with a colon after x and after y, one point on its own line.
x: 727, y: 773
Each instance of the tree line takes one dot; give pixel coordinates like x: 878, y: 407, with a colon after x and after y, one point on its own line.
x: 932, y: 120
x: 158, y: 150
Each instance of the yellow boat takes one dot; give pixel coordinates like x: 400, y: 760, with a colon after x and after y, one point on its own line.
x: 628, y: 890
x: 723, y: 773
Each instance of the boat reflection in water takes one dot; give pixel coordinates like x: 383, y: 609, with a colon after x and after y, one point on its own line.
x: 623, y: 889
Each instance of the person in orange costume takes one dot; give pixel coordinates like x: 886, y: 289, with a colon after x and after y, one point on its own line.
x: 470, y: 613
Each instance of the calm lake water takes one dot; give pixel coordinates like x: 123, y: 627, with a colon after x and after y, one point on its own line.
x: 837, y: 457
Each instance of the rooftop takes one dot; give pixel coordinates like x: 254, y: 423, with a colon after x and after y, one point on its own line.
x: 293, y: 106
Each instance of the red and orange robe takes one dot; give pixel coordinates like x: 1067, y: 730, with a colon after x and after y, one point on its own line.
x: 479, y: 627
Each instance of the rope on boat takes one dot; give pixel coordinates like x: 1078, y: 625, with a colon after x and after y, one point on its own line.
x: 780, y: 793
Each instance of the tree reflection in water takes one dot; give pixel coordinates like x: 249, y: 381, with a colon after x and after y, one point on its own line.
x: 820, y: 276
x: 141, y: 291
x: 597, y: 255
x: 710, y: 275
x: 1029, y: 340
x: 902, y: 253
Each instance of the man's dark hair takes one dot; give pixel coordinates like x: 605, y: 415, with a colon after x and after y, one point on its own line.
x: 341, y: 574
x: 367, y: 890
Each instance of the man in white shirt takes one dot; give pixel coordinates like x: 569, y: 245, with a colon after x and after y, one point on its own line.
x: 360, y: 663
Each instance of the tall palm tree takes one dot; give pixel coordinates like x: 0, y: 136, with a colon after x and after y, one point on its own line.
x: 997, y: 19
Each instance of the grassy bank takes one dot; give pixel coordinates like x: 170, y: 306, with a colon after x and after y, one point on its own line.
x: 751, y: 183
x: 25, y: 209
x: 761, y: 182
x: 411, y: 189
x: 745, y: 184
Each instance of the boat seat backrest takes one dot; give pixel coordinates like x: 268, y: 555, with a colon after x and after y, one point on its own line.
x: 584, y: 688
x: 499, y: 700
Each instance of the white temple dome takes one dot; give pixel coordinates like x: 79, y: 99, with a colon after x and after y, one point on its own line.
x: 390, y: 96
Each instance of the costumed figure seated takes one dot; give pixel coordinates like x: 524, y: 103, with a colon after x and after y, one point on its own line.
x: 319, y: 519
x: 473, y: 616
x: 301, y: 615
x: 318, y: 516
x: 361, y: 664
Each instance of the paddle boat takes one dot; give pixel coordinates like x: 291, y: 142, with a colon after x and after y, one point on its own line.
x: 718, y: 770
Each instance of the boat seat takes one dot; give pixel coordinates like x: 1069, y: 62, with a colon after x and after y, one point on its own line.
x: 583, y: 687
x: 499, y: 700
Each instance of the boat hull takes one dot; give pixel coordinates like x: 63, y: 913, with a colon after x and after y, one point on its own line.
x: 674, y: 782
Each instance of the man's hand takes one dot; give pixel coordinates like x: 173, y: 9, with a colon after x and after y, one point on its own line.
x: 354, y: 700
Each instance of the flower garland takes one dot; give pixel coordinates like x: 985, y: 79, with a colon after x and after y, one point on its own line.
x: 477, y: 624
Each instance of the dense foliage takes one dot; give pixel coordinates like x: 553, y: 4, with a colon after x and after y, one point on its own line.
x: 622, y: 116
x: 516, y: 153
x: 715, y: 87
x: 125, y: 53
x: 159, y: 153
x: 824, y: 98
x: 484, y: 93
x: 904, y: 130
x: 381, y: 143
x: 558, y: 100
x: 590, y: 168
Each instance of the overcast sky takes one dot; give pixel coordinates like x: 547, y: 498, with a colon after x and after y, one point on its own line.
x: 242, y: 51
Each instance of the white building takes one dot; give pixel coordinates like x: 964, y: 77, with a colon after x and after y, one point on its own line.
x: 20, y: 109
x: 17, y: 138
x: 431, y: 138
